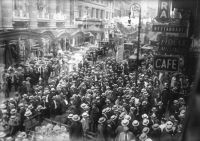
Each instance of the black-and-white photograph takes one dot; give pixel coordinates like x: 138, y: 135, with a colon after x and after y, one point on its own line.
x: 99, y: 70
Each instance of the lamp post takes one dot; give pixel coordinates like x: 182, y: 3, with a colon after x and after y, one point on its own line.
x: 136, y: 7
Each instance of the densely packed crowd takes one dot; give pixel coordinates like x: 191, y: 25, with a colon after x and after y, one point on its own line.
x: 102, y: 98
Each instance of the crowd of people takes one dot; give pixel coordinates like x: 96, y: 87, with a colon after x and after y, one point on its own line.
x: 102, y: 98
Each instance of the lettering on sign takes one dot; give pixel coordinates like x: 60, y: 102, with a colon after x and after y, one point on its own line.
x: 169, y: 28
x: 174, y: 44
x: 163, y: 11
x: 166, y: 63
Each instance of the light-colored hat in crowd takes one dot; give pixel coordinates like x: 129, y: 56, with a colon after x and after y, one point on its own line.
x: 135, y: 123
x: 13, y: 111
x: 143, y: 137
x: 101, y: 120
x: 3, y: 106
x: 2, y: 134
x: 145, y: 116
x: 155, y: 126
x: 75, y: 118
x: 125, y: 122
x: 145, y: 130
x: 145, y: 122
x: 127, y: 117
x: 28, y: 113
x: 169, y: 128
x: 85, y: 114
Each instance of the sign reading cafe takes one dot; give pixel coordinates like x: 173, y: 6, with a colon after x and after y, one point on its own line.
x: 166, y: 63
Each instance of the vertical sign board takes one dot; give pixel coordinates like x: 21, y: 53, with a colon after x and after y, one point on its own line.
x: 163, y: 11
x: 120, y: 53
x: 166, y: 63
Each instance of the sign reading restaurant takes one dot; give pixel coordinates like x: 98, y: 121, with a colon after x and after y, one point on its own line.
x: 169, y: 28
x: 166, y: 63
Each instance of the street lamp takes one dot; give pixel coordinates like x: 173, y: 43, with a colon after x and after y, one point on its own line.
x: 136, y: 7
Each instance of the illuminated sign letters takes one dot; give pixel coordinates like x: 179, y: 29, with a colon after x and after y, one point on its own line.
x: 163, y: 11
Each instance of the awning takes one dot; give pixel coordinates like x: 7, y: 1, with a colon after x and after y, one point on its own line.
x: 13, y: 35
x: 78, y: 32
x: 88, y: 34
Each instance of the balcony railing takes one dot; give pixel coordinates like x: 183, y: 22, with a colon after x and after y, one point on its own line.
x: 20, y: 14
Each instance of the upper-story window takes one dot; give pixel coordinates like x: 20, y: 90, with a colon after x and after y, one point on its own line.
x: 59, y: 10
x: 79, y: 11
x: 42, y: 7
x: 21, y: 8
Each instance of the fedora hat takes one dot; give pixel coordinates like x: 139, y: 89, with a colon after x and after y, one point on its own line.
x: 28, y: 113
x: 75, y: 118
x: 125, y: 122
x: 145, y: 122
x: 155, y: 126
x: 135, y: 123
x: 84, y: 106
x: 101, y: 120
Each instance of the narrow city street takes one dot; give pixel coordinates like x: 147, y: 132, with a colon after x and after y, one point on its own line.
x: 99, y: 70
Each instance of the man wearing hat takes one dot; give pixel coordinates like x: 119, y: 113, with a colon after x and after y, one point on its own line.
x: 101, y: 129
x: 76, y: 129
x: 85, y: 123
x: 125, y: 135
x: 155, y: 132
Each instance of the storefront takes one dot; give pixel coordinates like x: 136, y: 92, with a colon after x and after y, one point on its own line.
x: 16, y: 46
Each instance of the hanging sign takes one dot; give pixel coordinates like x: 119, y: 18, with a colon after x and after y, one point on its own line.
x: 163, y: 11
x: 169, y: 28
x: 174, y: 44
x: 166, y: 63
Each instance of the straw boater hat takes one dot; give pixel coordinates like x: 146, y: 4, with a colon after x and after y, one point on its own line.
x: 2, y: 134
x: 3, y: 106
x: 13, y: 111
x: 127, y: 117
x: 75, y: 118
x: 85, y: 115
x: 143, y: 137
x: 125, y: 122
x: 135, y: 123
x: 114, y: 108
x: 155, y: 126
x: 145, y: 130
x: 84, y: 106
x: 145, y: 116
x: 101, y: 120
x: 28, y: 113
x: 145, y: 122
